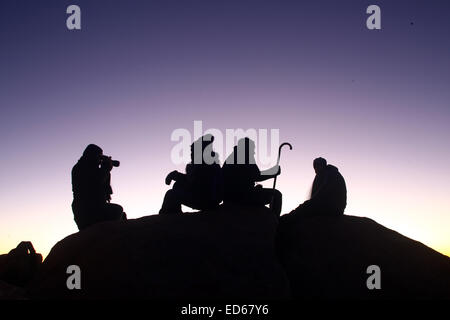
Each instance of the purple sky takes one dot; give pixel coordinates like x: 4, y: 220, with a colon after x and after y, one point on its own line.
x: 374, y: 103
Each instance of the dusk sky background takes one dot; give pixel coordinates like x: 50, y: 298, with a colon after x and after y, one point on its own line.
x: 375, y: 103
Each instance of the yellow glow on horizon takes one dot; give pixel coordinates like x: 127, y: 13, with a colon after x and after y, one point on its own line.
x: 43, y: 241
x: 425, y: 219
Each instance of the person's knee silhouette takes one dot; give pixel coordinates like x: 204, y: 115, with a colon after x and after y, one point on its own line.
x: 171, y: 203
x: 276, y: 203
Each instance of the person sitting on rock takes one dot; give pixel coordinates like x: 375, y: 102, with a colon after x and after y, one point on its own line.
x: 92, y: 190
x: 200, y: 187
x: 328, y: 194
x: 240, y: 173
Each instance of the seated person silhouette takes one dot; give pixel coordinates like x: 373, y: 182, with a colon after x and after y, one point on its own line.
x: 240, y: 173
x: 20, y: 265
x: 91, y: 178
x: 200, y: 187
x: 328, y: 194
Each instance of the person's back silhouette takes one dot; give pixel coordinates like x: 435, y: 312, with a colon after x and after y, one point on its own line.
x: 328, y: 194
x: 201, y: 187
x: 92, y: 190
x: 240, y: 173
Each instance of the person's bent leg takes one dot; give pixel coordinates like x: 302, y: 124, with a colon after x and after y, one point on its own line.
x: 304, y: 210
x: 171, y: 203
x: 276, y: 202
x: 271, y: 197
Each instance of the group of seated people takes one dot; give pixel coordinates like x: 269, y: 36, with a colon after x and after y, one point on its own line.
x: 204, y: 185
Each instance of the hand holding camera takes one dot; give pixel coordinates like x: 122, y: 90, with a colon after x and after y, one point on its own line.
x: 108, y: 163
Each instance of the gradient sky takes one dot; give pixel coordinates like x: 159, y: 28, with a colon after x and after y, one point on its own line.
x: 373, y: 103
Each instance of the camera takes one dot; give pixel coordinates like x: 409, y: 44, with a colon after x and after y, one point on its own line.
x: 115, y: 163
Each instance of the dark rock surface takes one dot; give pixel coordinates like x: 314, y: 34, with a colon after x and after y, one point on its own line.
x: 328, y: 258
x: 230, y: 253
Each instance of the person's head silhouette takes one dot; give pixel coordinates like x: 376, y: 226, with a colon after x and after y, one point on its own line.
x: 319, y: 165
x: 202, y: 150
x: 93, y: 154
x: 245, y: 151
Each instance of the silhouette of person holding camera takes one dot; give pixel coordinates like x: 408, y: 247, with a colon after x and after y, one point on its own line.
x: 200, y: 187
x: 91, y: 186
x: 240, y: 173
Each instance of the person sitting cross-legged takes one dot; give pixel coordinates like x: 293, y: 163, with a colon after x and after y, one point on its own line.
x: 201, y: 186
x: 240, y: 173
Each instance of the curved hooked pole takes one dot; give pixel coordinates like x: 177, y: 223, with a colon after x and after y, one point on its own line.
x: 278, y: 161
